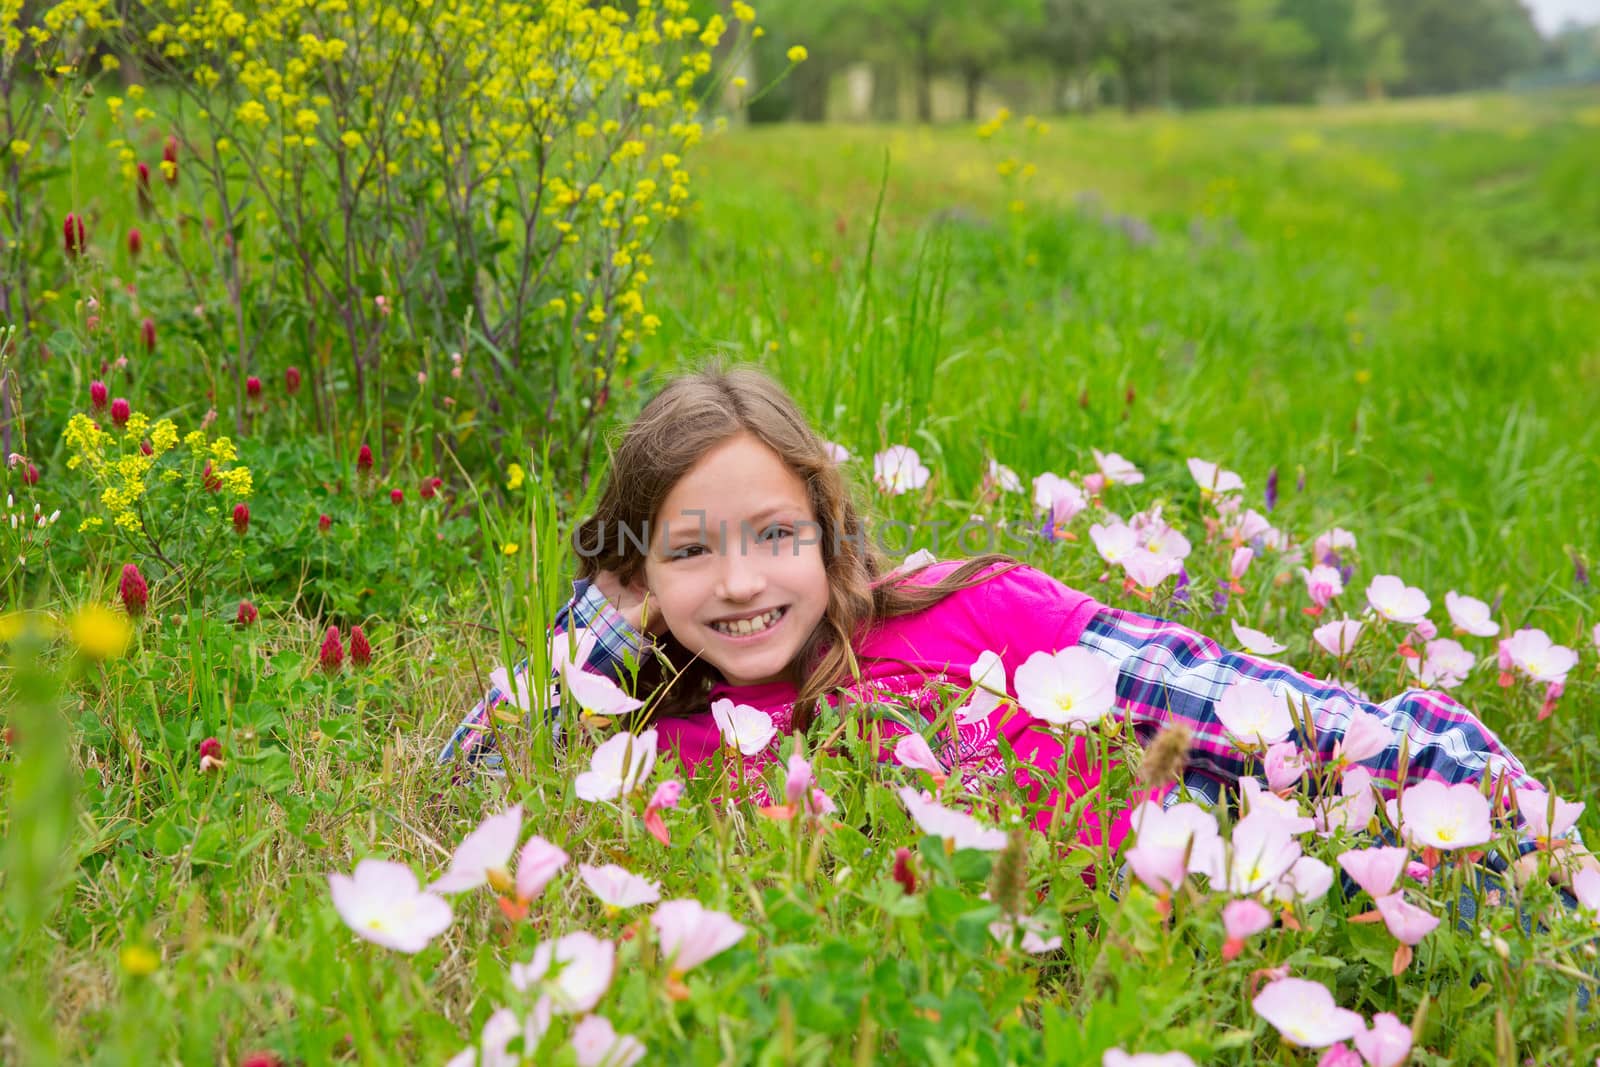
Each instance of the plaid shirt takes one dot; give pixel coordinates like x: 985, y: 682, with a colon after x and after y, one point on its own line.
x: 1167, y: 673
x: 473, y: 740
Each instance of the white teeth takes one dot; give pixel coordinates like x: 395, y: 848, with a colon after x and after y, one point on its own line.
x: 746, y: 627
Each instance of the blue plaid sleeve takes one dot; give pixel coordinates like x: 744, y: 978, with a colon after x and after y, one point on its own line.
x: 614, y: 642
x: 1168, y: 673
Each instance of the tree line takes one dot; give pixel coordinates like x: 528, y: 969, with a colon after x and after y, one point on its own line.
x: 1085, y: 54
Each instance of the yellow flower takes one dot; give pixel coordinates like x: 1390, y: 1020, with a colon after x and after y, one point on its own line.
x: 139, y: 961
x: 509, y: 548
x: 743, y: 12
x: 100, y: 633
x: 797, y: 54
x: 514, y: 477
x: 20, y: 148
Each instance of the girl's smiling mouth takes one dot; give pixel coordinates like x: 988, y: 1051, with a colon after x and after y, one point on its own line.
x: 752, y: 626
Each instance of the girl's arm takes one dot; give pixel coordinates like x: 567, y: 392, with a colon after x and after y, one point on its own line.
x: 1168, y: 673
x: 608, y: 642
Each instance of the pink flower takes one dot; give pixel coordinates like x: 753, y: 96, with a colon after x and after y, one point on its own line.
x: 1239, y: 563
x: 1469, y: 614
x: 1322, y: 584
x: 1253, y: 713
x: 1116, y: 470
x: 1374, y: 869
x: 1149, y: 569
x: 1241, y: 919
x: 597, y: 694
x: 1254, y: 641
x: 988, y: 675
x: 133, y: 589
x: 1335, y: 540
x: 120, y: 412
x: 1444, y: 816
x: 1408, y: 923
x: 331, y: 655
x: 1059, y: 496
x: 1257, y: 797
x: 1307, y: 882
x: 690, y: 934
x: 1339, y: 1055
x: 1536, y: 807
x: 1212, y: 478
x: 484, y: 855
x: 954, y: 826
x: 898, y: 469
x: 1365, y: 736
x: 537, y: 863
x: 618, y: 767
x: 1072, y: 687
x: 1115, y: 1057
x: 1444, y: 663
x: 618, y: 888
x: 1285, y: 764
x: 1396, y: 601
x: 587, y: 966
x: 1115, y: 541
x: 1596, y: 636
x: 748, y: 729
x: 1533, y: 653
x: 913, y: 751
x: 383, y: 904
x: 597, y: 1044
x: 1034, y: 942
x: 1586, y: 887
x: 837, y: 453
x: 1262, y: 850
x: 1170, y: 842
x: 1355, y: 807
x: 903, y: 871
x: 668, y: 793
x: 99, y: 396
x: 1305, y: 1014
x: 1387, y: 1043
x: 1002, y: 476
x: 241, y: 518
x: 1338, y: 637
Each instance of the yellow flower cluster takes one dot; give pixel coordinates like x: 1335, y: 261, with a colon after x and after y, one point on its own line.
x: 581, y: 110
x: 121, y: 467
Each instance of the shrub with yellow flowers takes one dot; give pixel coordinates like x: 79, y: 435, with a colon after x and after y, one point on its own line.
x: 171, y: 499
x: 469, y: 175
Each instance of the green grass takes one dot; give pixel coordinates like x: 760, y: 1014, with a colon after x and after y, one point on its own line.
x: 1401, y: 300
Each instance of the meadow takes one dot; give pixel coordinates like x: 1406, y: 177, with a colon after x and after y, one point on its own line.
x: 1388, y: 313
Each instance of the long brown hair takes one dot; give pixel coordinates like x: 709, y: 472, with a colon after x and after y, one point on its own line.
x: 693, y: 414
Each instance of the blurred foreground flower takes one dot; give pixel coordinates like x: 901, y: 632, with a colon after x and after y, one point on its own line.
x: 383, y: 904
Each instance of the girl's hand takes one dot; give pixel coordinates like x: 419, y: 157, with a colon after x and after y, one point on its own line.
x: 630, y: 604
x: 1565, y: 863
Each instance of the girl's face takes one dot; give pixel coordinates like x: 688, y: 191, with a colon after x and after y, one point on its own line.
x: 735, y: 565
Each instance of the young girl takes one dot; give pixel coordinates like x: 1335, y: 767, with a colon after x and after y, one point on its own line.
x: 727, y: 531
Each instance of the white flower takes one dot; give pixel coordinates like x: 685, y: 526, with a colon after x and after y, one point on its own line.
x: 1257, y: 642
x: 1004, y: 477
x: 1117, y: 470
x: 1444, y: 816
x: 1212, y: 478
x: 1114, y: 541
x: 1073, y: 687
x: 617, y: 887
x: 383, y: 904
x: 1305, y: 1014
x: 1532, y: 652
x: 1397, y: 601
x: 484, y: 855
x: 750, y: 730
x: 690, y: 933
x: 1443, y: 663
x: 1033, y: 940
x: 618, y: 766
x: 586, y: 965
x: 1049, y: 490
x: 1253, y: 713
x: 1470, y: 614
x: 988, y: 674
x: 955, y: 826
x: 597, y: 1044
x: 898, y: 469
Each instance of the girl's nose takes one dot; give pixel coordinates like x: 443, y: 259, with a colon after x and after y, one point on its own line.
x: 741, y: 577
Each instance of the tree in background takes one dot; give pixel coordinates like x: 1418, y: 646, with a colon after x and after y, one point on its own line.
x: 1451, y: 45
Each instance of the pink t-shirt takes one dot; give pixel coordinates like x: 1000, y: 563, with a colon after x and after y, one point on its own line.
x: 1014, y: 614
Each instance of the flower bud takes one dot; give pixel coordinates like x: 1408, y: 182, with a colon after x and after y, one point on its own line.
x: 146, y: 448
x: 903, y: 872
x: 428, y: 489
x: 261, y: 1059
x: 211, y: 747
x: 120, y: 411
x: 332, y: 653
x: 169, y: 159
x: 291, y: 380
x: 73, y: 235
x: 324, y: 522
x: 30, y: 475
x: 147, y: 330
x: 252, y: 387
x: 397, y: 497
x: 98, y: 395
x: 360, y: 650
x: 364, y: 459
x: 135, y: 592
x: 209, y: 479
x: 247, y: 613
x: 241, y: 518
x: 144, y: 186
x: 135, y: 243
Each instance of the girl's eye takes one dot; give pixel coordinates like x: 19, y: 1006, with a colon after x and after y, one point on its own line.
x: 776, y: 533
x: 686, y: 552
